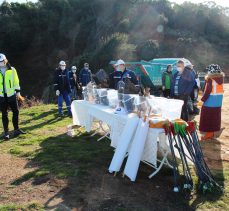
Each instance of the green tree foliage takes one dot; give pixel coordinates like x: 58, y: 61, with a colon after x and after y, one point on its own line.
x: 148, y: 50
x: 116, y: 46
x: 35, y: 36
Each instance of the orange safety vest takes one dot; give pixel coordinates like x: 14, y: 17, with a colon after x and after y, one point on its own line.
x: 215, y: 99
x: 216, y: 88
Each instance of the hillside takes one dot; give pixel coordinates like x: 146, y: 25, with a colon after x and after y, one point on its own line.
x: 46, y: 169
x: 36, y: 36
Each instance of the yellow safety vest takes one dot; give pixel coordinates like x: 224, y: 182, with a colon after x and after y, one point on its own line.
x: 9, y: 83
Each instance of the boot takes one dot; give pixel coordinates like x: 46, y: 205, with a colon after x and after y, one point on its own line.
x: 6, y: 136
x: 18, y: 132
x: 61, y: 115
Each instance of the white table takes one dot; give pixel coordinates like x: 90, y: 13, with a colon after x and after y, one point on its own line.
x: 84, y: 113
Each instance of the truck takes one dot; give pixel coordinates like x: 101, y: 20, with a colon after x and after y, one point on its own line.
x: 149, y: 73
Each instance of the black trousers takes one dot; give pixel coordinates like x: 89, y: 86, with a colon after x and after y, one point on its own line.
x: 166, y: 93
x: 184, y: 112
x: 5, y: 104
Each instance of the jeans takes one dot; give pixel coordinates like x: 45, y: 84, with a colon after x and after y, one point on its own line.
x: 13, y: 105
x: 64, y: 96
x: 73, y: 94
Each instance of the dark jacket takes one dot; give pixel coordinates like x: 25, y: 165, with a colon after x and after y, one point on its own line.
x: 195, y: 75
x: 61, y: 81
x: 166, y: 73
x: 72, y: 79
x: 117, y: 76
x: 85, y: 77
x: 186, y: 83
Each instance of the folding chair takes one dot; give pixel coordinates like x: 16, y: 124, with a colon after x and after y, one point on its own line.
x: 103, y: 129
x: 164, y: 151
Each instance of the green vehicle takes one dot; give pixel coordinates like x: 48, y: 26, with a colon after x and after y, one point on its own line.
x: 150, y: 72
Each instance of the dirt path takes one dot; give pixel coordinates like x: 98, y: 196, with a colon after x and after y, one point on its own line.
x: 224, y: 138
x: 217, y: 150
x: 39, y: 190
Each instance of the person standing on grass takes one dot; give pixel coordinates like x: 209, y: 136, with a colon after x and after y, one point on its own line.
x: 73, y: 82
x: 9, y: 93
x: 182, y: 86
x: 62, y: 87
x: 210, y: 117
x: 167, y: 78
x: 85, y: 75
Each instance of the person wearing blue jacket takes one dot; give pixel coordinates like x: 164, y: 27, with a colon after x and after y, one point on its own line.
x: 85, y: 75
x: 121, y: 73
x: 62, y: 88
x: 182, y: 86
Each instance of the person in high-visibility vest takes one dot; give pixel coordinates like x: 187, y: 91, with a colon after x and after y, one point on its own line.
x: 167, y: 78
x: 9, y: 93
x: 210, y: 118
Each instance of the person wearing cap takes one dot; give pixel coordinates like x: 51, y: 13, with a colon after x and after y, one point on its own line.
x: 210, y: 117
x: 85, y: 75
x: 9, y: 93
x: 73, y: 82
x: 62, y: 88
x: 182, y: 86
x: 120, y: 74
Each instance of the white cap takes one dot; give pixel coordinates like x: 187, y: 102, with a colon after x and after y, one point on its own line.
x: 74, y: 68
x: 120, y: 61
x: 62, y: 63
x: 2, y: 57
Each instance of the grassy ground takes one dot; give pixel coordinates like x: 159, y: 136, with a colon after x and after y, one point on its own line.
x: 46, y: 169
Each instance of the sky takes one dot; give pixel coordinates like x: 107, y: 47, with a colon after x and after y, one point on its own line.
x: 224, y: 3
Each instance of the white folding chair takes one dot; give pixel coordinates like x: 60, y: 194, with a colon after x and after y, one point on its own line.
x: 164, y: 151
x: 101, y: 128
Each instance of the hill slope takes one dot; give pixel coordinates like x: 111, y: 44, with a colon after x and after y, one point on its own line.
x: 36, y: 36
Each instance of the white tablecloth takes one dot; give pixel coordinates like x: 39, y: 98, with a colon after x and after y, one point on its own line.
x: 84, y: 113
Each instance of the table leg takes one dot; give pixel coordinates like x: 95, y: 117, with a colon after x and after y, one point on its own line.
x: 160, y: 166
